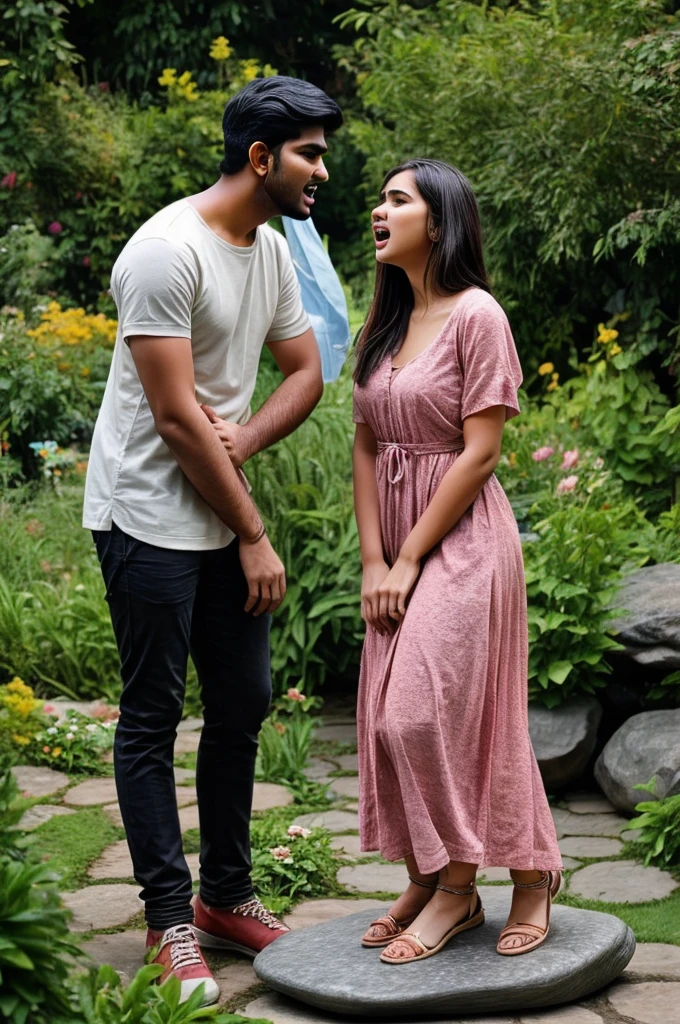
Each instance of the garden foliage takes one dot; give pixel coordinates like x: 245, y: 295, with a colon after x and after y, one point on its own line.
x: 659, y: 825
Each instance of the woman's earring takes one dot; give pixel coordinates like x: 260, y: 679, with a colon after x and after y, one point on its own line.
x: 434, y: 234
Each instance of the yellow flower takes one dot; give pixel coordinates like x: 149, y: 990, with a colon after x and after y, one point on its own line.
x: 184, y: 79
x: 605, y: 335
x: 168, y: 77
x: 544, y: 369
x: 512, y: 460
x: 249, y: 69
x: 190, y: 92
x: 56, y: 752
x: 552, y: 386
x: 220, y: 49
x: 19, y: 686
x: 21, y: 741
x: 85, y: 372
x: 614, y: 350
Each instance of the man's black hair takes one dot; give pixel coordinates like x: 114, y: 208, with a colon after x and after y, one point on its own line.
x: 273, y: 110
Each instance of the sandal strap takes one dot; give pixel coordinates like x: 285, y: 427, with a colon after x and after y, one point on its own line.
x: 387, y: 921
x: 468, y: 891
x: 411, y: 939
x: 542, y: 883
x: 522, y: 929
x: 423, y: 885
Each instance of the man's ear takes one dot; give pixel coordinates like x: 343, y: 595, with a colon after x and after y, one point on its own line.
x: 261, y: 159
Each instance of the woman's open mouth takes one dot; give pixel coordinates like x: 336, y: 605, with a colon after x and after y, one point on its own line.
x: 382, y: 236
x: 309, y: 192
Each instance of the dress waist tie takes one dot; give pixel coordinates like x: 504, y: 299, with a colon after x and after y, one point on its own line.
x: 397, y: 454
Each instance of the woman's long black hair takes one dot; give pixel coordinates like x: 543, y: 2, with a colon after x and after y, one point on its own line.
x: 455, y: 262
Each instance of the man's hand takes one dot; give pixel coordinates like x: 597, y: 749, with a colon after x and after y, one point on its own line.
x: 231, y: 435
x: 265, y: 574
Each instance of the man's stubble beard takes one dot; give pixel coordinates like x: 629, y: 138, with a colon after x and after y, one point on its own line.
x: 283, y: 198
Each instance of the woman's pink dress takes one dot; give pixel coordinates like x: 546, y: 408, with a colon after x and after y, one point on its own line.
x: 446, y: 767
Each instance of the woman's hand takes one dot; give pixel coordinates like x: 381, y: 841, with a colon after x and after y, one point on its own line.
x: 394, y: 591
x: 373, y: 576
x: 231, y: 436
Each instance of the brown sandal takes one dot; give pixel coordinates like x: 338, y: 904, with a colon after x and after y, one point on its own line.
x: 473, y: 919
x: 550, y: 881
x: 392, y: 928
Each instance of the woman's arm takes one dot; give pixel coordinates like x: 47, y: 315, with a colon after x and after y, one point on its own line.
x: 367, y: 512
x: 483, y: 433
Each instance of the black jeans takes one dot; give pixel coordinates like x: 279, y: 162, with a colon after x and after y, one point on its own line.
x: 164, y: 605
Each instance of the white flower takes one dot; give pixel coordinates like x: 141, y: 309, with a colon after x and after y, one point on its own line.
x: 70, y: 736
x: 106, y: 725
x: 51, y: 731
x: 296, y: 831
x: 79, y: 588
x: 92, y: 727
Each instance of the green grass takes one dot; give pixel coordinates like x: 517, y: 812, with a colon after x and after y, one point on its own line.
x: 658, y: 921
x: 72, y: 842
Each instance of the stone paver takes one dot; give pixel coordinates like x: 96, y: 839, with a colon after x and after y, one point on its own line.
x: 183, y: 775
x: 348, y: 762
x: 188, y: 817
x: 334, y: 821
x: 280, y: 1010
x: 124, y: 951
x: 336, y: 733
x: 41, y: 813
x: 39, y: 782
x: 590, y: 846
x: 650, y: 1002
x: 187, y: 743
x: 234, y: 980
x: 347, y: 786
x: 92, y: 792
x: 374, y: 877
x: 631, y: 835
x: 115, y: 862
x: 570, y: 824
x: 655, y: 958
x: 185, y: 795
x: 269, y: 794
x: 562, y: 1015
x: 102, y: 906
x: 112, y: 811
x: 318, y: 769
x: 190, y: 725
x: 351, y: 846
x: 622, y: 881
x: 316, y: 911
x: 494, y: 874
x: 588, y: 803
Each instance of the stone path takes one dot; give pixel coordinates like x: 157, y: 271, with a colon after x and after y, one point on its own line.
x: 589, y: 829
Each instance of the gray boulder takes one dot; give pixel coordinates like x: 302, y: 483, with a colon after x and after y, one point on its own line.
x: 649, y: 626
x: 647, y: 746
x: 563, y: 739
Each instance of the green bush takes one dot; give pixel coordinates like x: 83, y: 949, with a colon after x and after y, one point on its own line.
x: 659, y: 825
x: 13, y: 841
x: 290, y: 863
x: 285, y: 739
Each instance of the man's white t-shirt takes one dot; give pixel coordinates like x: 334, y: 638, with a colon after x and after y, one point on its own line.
x: 177, y: 278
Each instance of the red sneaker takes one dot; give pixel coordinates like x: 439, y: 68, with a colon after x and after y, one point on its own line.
x: 247, y: 928
x: 178, y: 951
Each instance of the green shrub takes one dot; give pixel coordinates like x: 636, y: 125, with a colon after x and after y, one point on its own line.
x: 285, y: 738
x: 21, y: 721
x: 13, y: 841
x: 290, y: 863
x: 659, y: 825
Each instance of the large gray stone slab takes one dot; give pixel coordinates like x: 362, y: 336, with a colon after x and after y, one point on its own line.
x: 563, y: 1015
x: 38, y: 782
x: 92, y: 792
x: 650, y: 1002
x: 326, y: 967
x: 621, y: 881
x: 569, y: 824
x: 318, y: 769
x: 347, y: 762
x: 190, y: 725
x: 563, y: 739
x: 656, y: 958
x: 588, y: 803
x: 279, y: 1009
x: 374, y: 877
x: 38, y: 815
x: 102, y: 906
x: 234, y: 979
x: 646, y: 747
x: 124, y: 951
x: 650, y: 629
x: 350, y: 846
x: 187, y: 743
x: 334, y: 821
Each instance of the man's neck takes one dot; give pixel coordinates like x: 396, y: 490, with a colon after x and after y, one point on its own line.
x: 234, y: 207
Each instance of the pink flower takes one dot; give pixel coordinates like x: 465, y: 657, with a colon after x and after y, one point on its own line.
x: 280, y: 853
x: 104, y: 87
x: 567, y: 484
x: 296, y: 831
x: 48, y: 709
x: 294, y: 694
x: 542, y: 453
x: 10, y: 180
x: 86, y: 261
x: 569, y: 459
x: 55, y: 228
x: 598, y: 463
x: 79, y: 195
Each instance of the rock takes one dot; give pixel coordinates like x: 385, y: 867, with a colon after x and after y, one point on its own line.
x: 326, y: 967
x: 92, y: 792
x: 621, y: 881
x: 124, y: 951
x: 318, y: 770
x: 650, y: 630
x: 336, y: 733
x: 37, y: 782
x: 102, y: 906
x: 60, y: 708
x: 269, y: 794
x: 564, y: 1015
x: 279, y: 1010
x: 650, y: 1002
x: 190, y: 725
x: 563, y: 739
x: 347, y: 762
x: 588, y: 803
x: 317, y: 911
x: 569, y: 862
x: 188, y: 818
x: 590, y: 846
x: 183, y: 775
x: 115, y: 862
x: 347, y: 786
x: 186, y: 800
x: 187, y: 743
x: 112, y: 811
x: 351, y: 845
x: 569, y: 824
x: 334, y: 821
x: 647, y: 746
x: 374, y: 877
x: 41, y: 813
x: 655, y: 958
x: 234, y: 980
x: 185, y: 795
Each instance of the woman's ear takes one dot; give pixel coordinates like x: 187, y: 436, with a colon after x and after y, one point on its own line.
x: 433, y: 232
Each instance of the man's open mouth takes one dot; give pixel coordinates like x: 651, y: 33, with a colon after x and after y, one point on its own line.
x: 310, y: 190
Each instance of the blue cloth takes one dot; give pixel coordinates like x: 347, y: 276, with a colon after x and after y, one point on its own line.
x: 322, y: 294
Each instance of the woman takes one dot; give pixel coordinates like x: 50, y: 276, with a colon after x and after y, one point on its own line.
x: 449, y: 781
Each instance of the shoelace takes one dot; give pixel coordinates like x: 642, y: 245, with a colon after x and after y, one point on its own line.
x: 184, y: 950
x: 254, y: 908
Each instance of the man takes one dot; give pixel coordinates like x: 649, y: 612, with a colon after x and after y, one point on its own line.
x: 186, y: 559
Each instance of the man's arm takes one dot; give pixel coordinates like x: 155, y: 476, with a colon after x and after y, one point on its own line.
x: 166, y: 371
